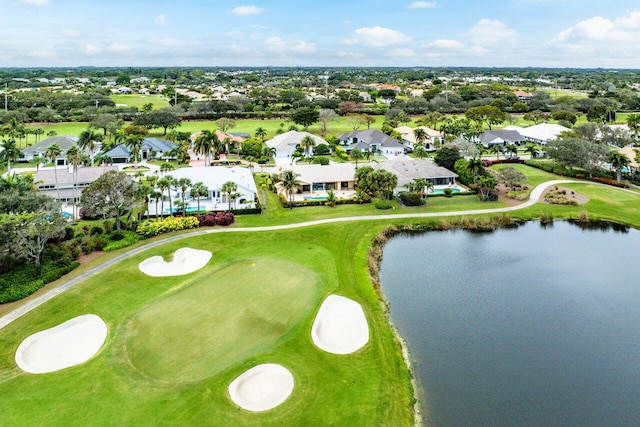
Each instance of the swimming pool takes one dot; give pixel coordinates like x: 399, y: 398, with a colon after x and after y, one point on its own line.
x: 315, y: 197
x: 441, y: 191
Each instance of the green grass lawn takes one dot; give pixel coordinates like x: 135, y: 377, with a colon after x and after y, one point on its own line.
x: 191, y: 320
x: 139, y: 100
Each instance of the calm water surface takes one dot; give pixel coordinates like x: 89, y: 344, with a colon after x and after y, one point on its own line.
x: 528, y: 326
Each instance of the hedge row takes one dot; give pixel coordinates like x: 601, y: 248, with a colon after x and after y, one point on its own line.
x: 598, y: 176
x: 215, y: 218
x: 128, y: 239
x: 20, y: 282
x: 153, y: 227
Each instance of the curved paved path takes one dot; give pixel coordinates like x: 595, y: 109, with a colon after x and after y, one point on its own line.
x: 536, y: 193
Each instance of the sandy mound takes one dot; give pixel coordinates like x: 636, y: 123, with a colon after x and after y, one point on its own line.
x: 68, y: 344
x: 262, y: 387
x: 185, y: 261
x: 340, y: 326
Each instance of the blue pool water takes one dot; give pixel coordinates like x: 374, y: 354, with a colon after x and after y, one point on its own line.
x: 315, y: 198
x: 441, y: 191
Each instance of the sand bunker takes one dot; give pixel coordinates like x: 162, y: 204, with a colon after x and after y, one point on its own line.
x: 68, y: 344
x: 262, y: 387
x: 185, y: 261
x: 340, y: 326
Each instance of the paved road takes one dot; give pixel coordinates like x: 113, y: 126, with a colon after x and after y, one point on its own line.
x: 41, y: 299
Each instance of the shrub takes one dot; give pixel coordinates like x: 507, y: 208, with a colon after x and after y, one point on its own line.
x: 448, y: 192
x: 411, y: 199
x: 382, y: 204
x: 341, y: 154
x: 96, y: 229
x: 322, y: 149
x: 610, y: 181
x: 128, y: 238
x: 320, y: 161
x: 154, y: 227
x: 216, y: 218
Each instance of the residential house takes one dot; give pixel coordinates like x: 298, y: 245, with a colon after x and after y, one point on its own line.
x: 286, y: 143
x: 541, y: 133
x: 500, y: 137
x: 408, y: 169
x: 152, y: 148
x: 630, y: 152
x: 522, y: 95
x: 316, y: 180
x: 373, y: 141
x: 213, y: 178
x: 39, y: 149
x: 45, y: 180
x: 409, y: 140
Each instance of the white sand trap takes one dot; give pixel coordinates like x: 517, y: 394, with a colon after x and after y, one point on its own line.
x: 340, y: 326
x: 262, y: 387
x: 68, y: 344
x: 185, y: 261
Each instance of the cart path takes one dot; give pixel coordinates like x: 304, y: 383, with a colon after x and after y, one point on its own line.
x: 18, y: 312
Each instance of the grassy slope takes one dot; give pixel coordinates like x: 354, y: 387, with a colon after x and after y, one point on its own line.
x: 140, y: 100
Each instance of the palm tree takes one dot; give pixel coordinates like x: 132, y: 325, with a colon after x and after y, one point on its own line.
x: 356, y: 154
x: 103, y: 160
x: 618, y: 162
x: 261, y: 133
x: 53, y: 151
x: 496, y: 149
x: 633, y: 122
x: 87, y: 140
x: 199, y: 190
x: 9, y: 152
x: 289, y: 181
x: 13, y: 129
x: 156, y: 196
x: 183, y: 184
x: 75, y: 157
x: 38, y: 132
x: 476, y: 167
x: 420, y: 152
x: 512, y: 148
x: 166, y: 167
x: 229, y: 187
x: 428, y: 186
x: 420, y: 136
x: 164, y: 184
x: 308, y: 143
x: 532, y: 149
x: 134, y: 144
x: 204, y: 144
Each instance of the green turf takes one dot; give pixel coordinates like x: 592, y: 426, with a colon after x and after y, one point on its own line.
x: 139, y: 100
x: 221, y: 318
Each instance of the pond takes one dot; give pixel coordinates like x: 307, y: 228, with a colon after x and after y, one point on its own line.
x: 525, y: 326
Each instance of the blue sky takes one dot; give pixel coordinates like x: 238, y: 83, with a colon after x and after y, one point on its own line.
x: 517, y: 33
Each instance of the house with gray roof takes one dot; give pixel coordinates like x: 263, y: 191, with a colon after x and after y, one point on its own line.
x: 500, y: 137
x: 39, y: 149
x: 152, y: 148
x: 372, y: 140
x: 408, y: 169
x: 316, y: 180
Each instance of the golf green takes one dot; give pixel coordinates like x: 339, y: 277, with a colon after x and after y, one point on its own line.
x: 220, y: 318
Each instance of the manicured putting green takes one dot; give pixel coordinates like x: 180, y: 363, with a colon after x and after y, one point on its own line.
x: 222, y: 318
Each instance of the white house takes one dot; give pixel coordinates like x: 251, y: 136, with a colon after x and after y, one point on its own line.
x: 213, y: 178
x: 286, y: 143
x: 540, y: 134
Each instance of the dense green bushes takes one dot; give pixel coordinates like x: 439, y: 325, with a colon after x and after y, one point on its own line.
x: 24, y: 279
x: 409, y: 198
x: 126, y: 238
x: 153, y: 227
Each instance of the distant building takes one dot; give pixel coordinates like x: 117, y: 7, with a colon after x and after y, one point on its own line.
x: 500, y: 137
x: 45, y: 180
x: 39, y: 149
x: 522, y: 95
x: 540, y: 134
x: 373, y: 141
x: 152, y: 148
x: 408, y: 169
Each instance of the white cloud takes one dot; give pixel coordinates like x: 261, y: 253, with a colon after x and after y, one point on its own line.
x: 92, y: 49
x: 42, y: 54
x: 170, y: 41
x: 401, y: 53
x: 233, y: 33
x: 355, y: 55
x: 491, y: 32
x: 422, y: 5
x: 160, y: 19
x: 70, y: 33
x: 246, y: 10
x: 276, y: 44
x: 445, y: 44
x: 121, y: 48
x: 377, y: 37
x: 35, y: 2
x: 623, y: 29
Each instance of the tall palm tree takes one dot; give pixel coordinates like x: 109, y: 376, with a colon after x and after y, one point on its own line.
x: 618, y: 161
x: 420, y: 136
x: 75, y: 157
x: 308, y: 143
x: 183, y: 184
x: 532, y: 149
x: 53, y: 151
x: 420, y: 152
x: 204, y: 144
x: 229, y: 187
x: 156, y: 196
x: 199, y: 190
x: 103, y: 160
x: 167, y: 167
x: 496, y: 149
x: 164, y: 184
x: 633, y: 122
x: 87, y: 140
x: 475, y: 166
x: 356, y: 154
x: 134, y: 144
x: 261, y: 133
x: 9, y: 152
x: 289, y: 181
